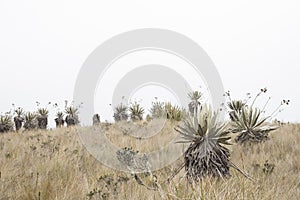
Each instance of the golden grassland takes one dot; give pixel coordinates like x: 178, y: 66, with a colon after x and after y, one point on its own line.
x: 54, y: 164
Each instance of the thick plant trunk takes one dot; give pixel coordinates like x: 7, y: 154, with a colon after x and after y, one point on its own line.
x: 5, y: 128
x: 96, y: 119
x: 71, y: 120
x: 59, y: 122
x: 193, y: 107
x: 18, y: 122
x: 251, y: 137
x: 136, y: 118
x: 200, y: 164
x: 30, y: 125
x: 42, y: 122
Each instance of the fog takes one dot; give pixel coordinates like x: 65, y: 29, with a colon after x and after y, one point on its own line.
x: 254, y: 44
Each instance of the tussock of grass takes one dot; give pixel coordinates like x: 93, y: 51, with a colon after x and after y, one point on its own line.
x: 55, y: 165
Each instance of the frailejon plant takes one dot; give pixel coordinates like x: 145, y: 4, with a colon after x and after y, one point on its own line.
x: 72, y: 114
x: 42, y: 118
x: 19, y: 118
x: 6, y: 123
x: 72, y: 117
x: 121, y: 112
x: 177, y: 113
x: 96, y: 119
x: 206, y: 155
x: 136, y: 112
x: 59, y: 117
x: 157, y: 110
x: 252, y: 126
x: 173, y: 112
x: 250, y: 122
x: 235, y: 107
x: 195, y: 101
x: 30, y: 121
x: 59, y: 120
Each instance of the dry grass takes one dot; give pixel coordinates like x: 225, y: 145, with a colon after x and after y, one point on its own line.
x: 55, y: 165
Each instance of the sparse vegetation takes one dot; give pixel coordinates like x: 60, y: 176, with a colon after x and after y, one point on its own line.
x: 134, y: 161
x: 53, y: 162
x: 108, y: 186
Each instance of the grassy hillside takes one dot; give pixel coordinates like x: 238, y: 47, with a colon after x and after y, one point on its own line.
x: 55, y: 165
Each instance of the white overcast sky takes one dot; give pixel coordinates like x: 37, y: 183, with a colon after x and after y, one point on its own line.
x: 253, y: 44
